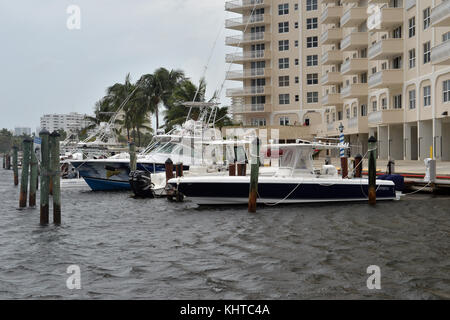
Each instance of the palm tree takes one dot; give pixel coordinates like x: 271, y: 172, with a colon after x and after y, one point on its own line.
x: 159, y: 88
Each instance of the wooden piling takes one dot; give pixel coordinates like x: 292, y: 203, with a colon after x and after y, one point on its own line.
x: 179, y: 169
x: 15, y: 166
x: 55, y: 170
x: 344, y: 167
x: 358, y: 166
x: 4, y: 161
x: 254, y: 173
x: 372, y: 170
x: 169, y: 169
x: 8, y: 162
x: 33, y: 177
x: 241, y: 169
x: 26, y: 147
x: 45, y: 178
x: 132, y: 151
x: 232, y: 169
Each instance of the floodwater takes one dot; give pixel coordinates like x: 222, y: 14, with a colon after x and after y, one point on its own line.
x: 152, y: 249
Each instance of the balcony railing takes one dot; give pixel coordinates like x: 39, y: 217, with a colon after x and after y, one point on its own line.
x: 239, y: 92
x: 246, y: 38
x: 237, y: 4
x: 440, y: 15
x: 247, y: 73
x: 251, y: 108
x: 440, y: 54
x: 353, y: 122
x: 250, y: 55
x: 242, y: 21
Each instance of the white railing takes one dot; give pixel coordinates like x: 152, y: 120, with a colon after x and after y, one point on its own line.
x: 409, y: 4
x: 245, y: 73
x: 376, y: 78
x: 346, y: 16
x: 353, y: 122
x: 375, y: 117
x: 441, y: 52
x: 331, y: 126
x: 245, y: 91
x: 375, y: 49
x: 248, y: 37
x: 346, y: 91
x: 441, y: 11
x: 231, y: 57
x: 346, y: 41
x: 345, y: 66
x: 247, y: 108
x: 234, y: 22
x: 241, y: 3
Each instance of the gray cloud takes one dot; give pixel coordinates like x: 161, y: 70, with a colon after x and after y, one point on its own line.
x: 46, y: 68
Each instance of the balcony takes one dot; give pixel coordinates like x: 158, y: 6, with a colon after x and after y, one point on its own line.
x: 355, y: 41
x: 387, y: 18
x: 331, y: 78
x: 386, y: 79
x: 355, y: 66
x: 440, y: 55
x: 332, y: 99
x: 332, y: 57
x: 331, y: 15
x: 440, y: 15
x: 331, y: 36
x: 386, y: 49
x: 243, y: 57
x: 331, y: 127
x: 249, y: 91
x: 241, y: 75
x: 241, y: 23
x: 355, y: 90
x: 248, y: 38
x: 252, y: 108
x: 354, y: 17
x: 386, y: 117
x: 241, y: 6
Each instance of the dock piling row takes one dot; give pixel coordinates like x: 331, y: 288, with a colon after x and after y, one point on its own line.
x: 26, y: 146
x: 15, y: 166
x: 56, y: 176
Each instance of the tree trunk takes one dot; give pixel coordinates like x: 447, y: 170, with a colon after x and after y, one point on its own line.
x: 139, y: 136
x: 157, y: 118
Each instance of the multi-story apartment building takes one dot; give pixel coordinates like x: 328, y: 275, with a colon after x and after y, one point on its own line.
x: 373, y: 67
x: 20, y: 131
x: 71, y: 122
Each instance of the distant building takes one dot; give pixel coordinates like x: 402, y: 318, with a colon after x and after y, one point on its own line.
x: 20, y: 131
x: 68, y: 122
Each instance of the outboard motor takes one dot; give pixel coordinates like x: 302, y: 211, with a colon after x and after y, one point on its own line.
x: 141, y: 184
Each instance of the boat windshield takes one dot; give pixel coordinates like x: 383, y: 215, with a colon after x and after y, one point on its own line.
x: 298, y: 159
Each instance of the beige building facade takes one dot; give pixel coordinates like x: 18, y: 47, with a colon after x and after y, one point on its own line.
x: 376, y: 67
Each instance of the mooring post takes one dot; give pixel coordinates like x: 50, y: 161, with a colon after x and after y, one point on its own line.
x: 15, y: 166
x: 372, y: 170
x: 232, y: 169
x: 169, y: 169
x: 26, y: 147
x: 55, y: 170
x: 344, y: 167
x: 358, y: 166
x: 8, y: 162
x: 4, y: 161
x: 132, y: 151
x: 45, y: 178
x: 179, y: 169
x: 33, y: 177
x: 254, y: 173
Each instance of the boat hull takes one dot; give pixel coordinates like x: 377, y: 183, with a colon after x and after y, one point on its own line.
x: 235, y: 190
x: 102, y: 175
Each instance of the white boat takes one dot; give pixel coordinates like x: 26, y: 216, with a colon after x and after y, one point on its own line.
x: 294, y: 181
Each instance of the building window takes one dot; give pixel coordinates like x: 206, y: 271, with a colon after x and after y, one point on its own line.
x: 283, y: 45
x: 258, y: 122
x: 384, y: 104
x: 374, y: 106
x: 446, y: 90
x: 283, y: 81
x: 427, y: 96
x: 284, y: 98
x: 426, y: 52
x: 398, y: 101
x: 297, y: 98
x: 446, y: 37
x: 283, y: 27
x: 311, y: 23
x: 412, y: 99
x: 296, y: 62
x: 296, y: 43
x: 297, y: 79
x: 426, y: 18
x: 363, y: 110
x: 412, y: 58
x: 311, y: 5
x: 283, y: 9
x: 412, y: 27
x: 311, y: 42
x: 284, y: 121
x: 283, y: 63
x: 312, y: 97
x: 312, y: 79
x: 296, y: 25
x: 312, y: 60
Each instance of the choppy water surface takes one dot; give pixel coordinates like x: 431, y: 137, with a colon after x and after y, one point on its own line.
x: 136, y: 249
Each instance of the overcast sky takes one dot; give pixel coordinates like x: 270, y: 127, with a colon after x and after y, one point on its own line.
x: 47, y: 68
